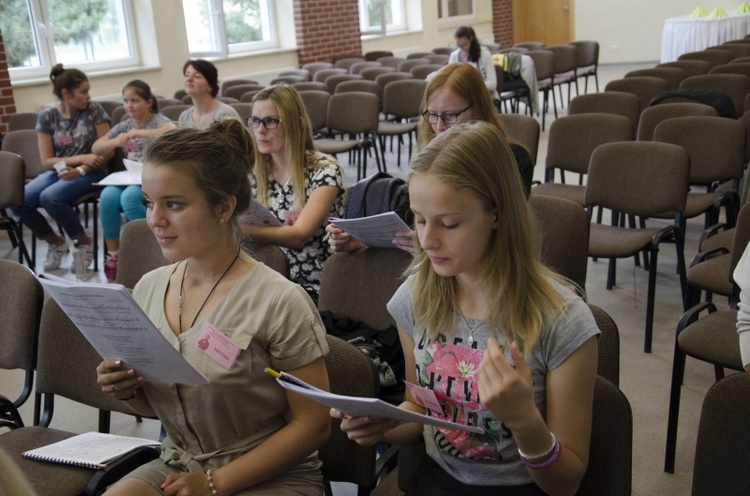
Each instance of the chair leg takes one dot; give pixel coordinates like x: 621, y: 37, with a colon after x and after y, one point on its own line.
x: 650, y: 298
x: 611, y: 273
x: 678, y: 371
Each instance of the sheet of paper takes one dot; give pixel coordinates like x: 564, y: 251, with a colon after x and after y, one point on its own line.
x: 134, y: 168
x: 116, y: 326
x: 375, y: 231
x: 258, y: 215
x: 371, y: 407
x: 121, y: 178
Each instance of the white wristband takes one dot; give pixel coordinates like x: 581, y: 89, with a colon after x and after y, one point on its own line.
x: 81, y: 170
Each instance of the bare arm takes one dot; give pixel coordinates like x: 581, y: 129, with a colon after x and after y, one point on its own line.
x: 91, y: 161
x: 307, y: 430
x: 296, y: 236
x: 508, y: 393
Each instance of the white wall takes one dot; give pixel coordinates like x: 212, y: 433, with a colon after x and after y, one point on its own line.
x: 634, y: 26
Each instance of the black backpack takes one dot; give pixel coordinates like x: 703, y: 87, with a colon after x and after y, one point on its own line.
x: 377, y: 194
x: 717, y: 99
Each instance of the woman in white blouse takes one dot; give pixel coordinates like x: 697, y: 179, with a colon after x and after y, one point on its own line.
x: 471, y: 51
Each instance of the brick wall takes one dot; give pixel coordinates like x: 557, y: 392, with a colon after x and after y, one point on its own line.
x: 7, y: 103
x: 326, y: 28
x: 502, y: 22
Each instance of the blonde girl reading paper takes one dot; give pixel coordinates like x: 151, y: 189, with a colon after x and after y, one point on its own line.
x: 240, y: 434
x: 144, y: 122
x: 489, y: 333
x: 301, y: 186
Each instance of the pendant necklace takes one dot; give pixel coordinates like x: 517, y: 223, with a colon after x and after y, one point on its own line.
x: 182, y: 284
x: 471, y: 329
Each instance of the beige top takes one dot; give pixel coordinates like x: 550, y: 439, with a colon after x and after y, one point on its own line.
x: 276, y: 325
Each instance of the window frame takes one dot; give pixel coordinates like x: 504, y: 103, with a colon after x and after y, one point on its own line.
x: 443, y: 4
x: 364, y: 18
x: 218, y: 32
x: 44, y: 41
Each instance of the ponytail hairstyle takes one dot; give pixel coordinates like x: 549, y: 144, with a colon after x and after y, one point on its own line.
x: 143, y: 90
x: 475, y: 48
x: 65, y: 79
x: 218, y: 159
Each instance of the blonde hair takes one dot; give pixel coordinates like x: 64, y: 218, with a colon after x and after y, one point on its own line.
x: 298, y: 142
x: 217, y: 158
x: 467, y: 83
x: 475, y: 158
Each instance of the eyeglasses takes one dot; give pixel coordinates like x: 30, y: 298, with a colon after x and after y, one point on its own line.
x: 268, y: 122
x: 446, y: 117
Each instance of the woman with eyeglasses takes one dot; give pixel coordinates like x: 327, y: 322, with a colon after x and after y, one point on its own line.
x: 299, y: 185
x: 454, y: 95
x: 471, y: 52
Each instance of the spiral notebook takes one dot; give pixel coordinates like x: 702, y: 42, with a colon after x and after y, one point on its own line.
x: 90, y: 450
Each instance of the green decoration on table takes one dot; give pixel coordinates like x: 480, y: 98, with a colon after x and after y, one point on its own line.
x: 717, y: 12
x: 744, y: 8
x: 699, y: 12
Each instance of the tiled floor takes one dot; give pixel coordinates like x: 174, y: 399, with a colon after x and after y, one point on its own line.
x: 644, y: 377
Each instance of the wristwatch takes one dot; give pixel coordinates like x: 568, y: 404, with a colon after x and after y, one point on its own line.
x: 81, y: 170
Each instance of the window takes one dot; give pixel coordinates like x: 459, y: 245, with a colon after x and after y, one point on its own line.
x: 381, y: 16
x: 216, y: 28
x: 455, y: 8
x: 86, y: 34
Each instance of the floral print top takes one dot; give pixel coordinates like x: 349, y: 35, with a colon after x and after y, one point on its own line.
x: 448, y: 366
x: 72, y: 136
x: 305, y: 265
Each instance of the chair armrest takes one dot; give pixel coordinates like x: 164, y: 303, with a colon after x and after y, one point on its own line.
x: 712, y: 231
x: 705, y: 255
x: 9, y: 416
x: 119, y: 468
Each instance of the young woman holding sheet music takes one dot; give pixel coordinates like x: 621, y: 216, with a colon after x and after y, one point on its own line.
x: 455, y: 94
x: 230, y: 317
x: 488, y: 333
x: 144, y: 122
x: 301, y: 186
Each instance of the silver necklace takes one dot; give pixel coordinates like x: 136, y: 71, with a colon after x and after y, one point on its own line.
x: 471, y: 329
x: 182, y: 283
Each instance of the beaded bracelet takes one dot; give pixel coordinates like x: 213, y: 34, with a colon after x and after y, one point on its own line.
x: 556, y: 451
x: 211, y: 486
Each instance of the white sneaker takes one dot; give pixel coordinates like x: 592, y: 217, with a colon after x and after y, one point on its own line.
x: 55, y: 255
x: 82, y: 258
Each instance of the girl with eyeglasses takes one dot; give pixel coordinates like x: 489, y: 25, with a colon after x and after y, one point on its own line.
x: 301, y: 186
x: 455, y: 94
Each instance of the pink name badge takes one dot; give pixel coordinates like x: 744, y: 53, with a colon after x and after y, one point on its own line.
x: 64, y: 140
x: 218, y: 346
x: 424, y: 397
x: 290, y: 216
x: 132, y: 146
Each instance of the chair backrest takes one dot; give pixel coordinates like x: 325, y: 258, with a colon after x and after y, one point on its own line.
x: 288, y: 79
x: 347, y: 62
x: 362, y: 65
x: 524, y: 129
x: 228, y: 99
x: 745, y: 120
x: 573, y: 138
x: 608, y: 102
x: 353, y: 112
x: 371, y: 73
x: 644, y: 87
x: 733, y: 68
x: 438, y: 58
x: 22, y: 120
x: 722, y: 450
x: 691, y: 67
x: 186, y: 99
x: 384, y: 79
x: 359, y: 284
x: 118, y: 114
x: 716, y: 146
x: 350, y: 373
x: 139, y: 253
x: 530, y: 45
x: 737, y: 49
x: 245, y: 109
x: 642, y: 178
x: 564, y: 229
x: 237, y: 90
x: 12, y: 179
x: 360, y: 85
x: 316, y: 103
x: 736, y: 86
x: 402, y: 98
x: 269, y: 255
x: 544, y: 63
x: 443, y: 50
x: 611, y: 450
x: 609, y: 345
x: 588, y: 52
x: 166, y: 102
x: 740, y: 60
x: 422, y: 71
x: 21, y: 298
x: 390, y: 61
x: 247, y: 97
x: 566, y: 57
x: 24, y: 142
x: 333, y: 80
x: 225, y: 85
x: 672, y: 75
x: 740, y: 241
x: 310, y: 85
x: 174, y: 111
x: 378, y: 54
x: 417, y: 55
x: 406, y: 65
x: 321, y: 74
x: 109, y: 105
x: 66, y: 365
x: 653, y: 115
x: 714, y: 57
x: 179, y: 94
x: 303, y: 73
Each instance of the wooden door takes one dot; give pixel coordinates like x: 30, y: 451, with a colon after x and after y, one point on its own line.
x: 550, y: 21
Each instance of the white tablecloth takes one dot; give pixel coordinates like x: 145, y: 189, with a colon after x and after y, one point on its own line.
x: 688, y: 34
